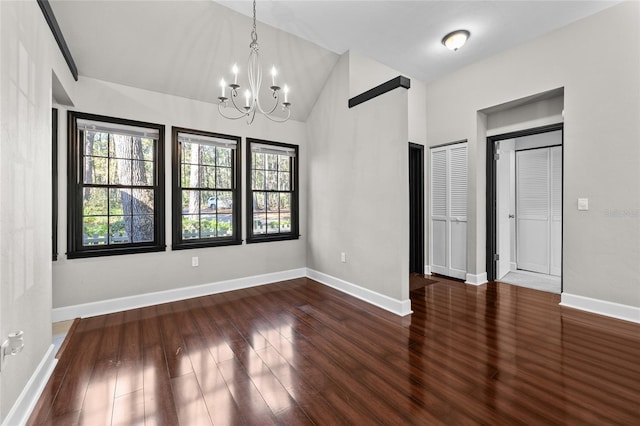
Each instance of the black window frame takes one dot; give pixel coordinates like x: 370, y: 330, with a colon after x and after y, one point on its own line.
x: 75, y: 186
x: 294, y: 191
x: 54, y: 184
x: 178, y: 242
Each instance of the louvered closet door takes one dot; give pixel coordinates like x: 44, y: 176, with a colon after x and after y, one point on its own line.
x: 533, y: 209
x: 448, y: 217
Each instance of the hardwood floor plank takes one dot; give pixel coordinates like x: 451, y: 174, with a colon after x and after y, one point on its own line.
x: 297, y: 352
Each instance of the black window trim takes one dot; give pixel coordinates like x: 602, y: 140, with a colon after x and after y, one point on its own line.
x: 295, y: 217
x: 75, y: 249
x: 54, y: 184
x: 176, y: 207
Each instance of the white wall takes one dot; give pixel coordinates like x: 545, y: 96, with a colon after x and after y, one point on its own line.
x: 28, y: 55
x: 79, y: 281
x: 601, y: 80
x: 358, y: 187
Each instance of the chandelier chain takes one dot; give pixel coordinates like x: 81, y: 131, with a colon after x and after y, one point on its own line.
x: 254, y: 31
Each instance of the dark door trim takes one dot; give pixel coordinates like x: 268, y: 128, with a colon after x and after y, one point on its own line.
x: 416, y: 208
x: 492, y: 243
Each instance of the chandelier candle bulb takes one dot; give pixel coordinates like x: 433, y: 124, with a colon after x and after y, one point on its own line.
x: 234, y: 70
x: 286, y: 93
x: 247, y: 95
x: 223, y: 86
x: 273, y: 75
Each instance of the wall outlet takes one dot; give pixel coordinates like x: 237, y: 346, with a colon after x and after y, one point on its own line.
x: 583, y: 204
x: 194, y: 261
x: 343, y: 257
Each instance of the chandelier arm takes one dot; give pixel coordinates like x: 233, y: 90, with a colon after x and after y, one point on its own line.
x: 242, y: 111
x: 279, y: 119
x: 229, y: 117
x: 267, y: 112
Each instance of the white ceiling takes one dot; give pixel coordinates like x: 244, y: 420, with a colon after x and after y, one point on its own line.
x: 184, y: 47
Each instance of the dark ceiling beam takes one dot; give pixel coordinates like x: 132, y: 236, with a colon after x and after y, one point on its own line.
x: 394, y: 83
x: 57, y: 34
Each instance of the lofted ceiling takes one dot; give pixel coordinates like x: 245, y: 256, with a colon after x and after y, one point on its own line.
x: 183, y: 48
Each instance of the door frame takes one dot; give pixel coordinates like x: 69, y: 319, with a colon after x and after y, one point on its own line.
x: 492, y: 196
x: 416, y: 208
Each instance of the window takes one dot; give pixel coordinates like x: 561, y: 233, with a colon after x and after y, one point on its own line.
x: 115, y: 186
x: 206, y: 208
x: 272, y: 198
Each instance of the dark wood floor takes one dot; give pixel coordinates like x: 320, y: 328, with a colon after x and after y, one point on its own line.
x: 298, y: 352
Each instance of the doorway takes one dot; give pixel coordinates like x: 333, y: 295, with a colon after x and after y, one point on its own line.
x: 524, y: 208
x: 416, y: 208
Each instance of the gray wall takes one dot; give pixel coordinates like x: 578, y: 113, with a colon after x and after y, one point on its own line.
x: 601, y: 80
x: 358, y: 187
x: 28, y: 57
x: 79, y: 281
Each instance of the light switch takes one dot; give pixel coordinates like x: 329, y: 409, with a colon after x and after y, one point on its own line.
x: 583, y: 204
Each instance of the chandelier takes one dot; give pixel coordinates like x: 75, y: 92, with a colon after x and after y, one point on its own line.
x: 252, y: 94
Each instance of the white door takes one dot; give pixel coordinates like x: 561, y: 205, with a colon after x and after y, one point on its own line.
x: 448, y: 214
x: 539, y: 210
x: 505, y: 213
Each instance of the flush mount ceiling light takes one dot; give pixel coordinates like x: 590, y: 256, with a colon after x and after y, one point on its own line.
x: 251, y: 95
x: 456, y: 39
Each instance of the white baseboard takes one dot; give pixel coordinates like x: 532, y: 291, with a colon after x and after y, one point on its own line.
x: 513, y: 266
x: 148, y: 299
x: 26, y: 402
x: 601, y: 307
x: 427, y: 269
x: 478, y: 279
x: 398, y: 307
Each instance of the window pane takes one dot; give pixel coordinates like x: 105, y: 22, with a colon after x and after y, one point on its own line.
x: 271, y: 180
x: 257, y: 179
x: 95, y: 170
x: 259, y: 200
x: 225, y: 201
x: 208, y: 201
x: 285, y: 212
x: 283, y: 163
x: 96, y: 144
x: 143, y: 201
x: 191, y: 202
x: 207, y: 226
x: 186, y: 180
x: 273, y: 222
x: 119, y: 229
x: 283, y: 181
x: 190, y: 227
x: 94, y: 201
x: 142, y: 228
x: 272, y: 162
x: 259, y: 223
x: 257, y: 160
x: 223, y: 157
x: 208, y: 177
x: 187, y: 151
x: 224, y: 226
x: 224, y: 178
x: 147, y: 149
x: 207, y: 155
x: 119, y: 172
x: 119, y: 201
x: 273, y: 203
x: 142, y: 172
x: 120, y: 146
x: 94, y: 230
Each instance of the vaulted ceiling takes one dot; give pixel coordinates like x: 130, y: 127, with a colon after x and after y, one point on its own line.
x: 184, y: 48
